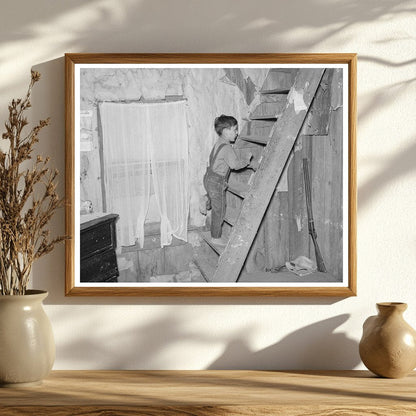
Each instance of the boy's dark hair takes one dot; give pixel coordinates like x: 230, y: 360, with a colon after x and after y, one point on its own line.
x: 224, y: 122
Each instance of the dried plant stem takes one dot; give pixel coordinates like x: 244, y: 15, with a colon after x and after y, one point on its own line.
x: 23, y: 217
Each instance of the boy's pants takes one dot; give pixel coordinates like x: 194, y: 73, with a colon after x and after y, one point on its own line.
x: 215, y: 186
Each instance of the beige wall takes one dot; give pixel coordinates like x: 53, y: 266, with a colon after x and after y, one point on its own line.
x: 196, y: 333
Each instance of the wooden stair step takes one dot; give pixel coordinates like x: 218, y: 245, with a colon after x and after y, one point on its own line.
x: 257, y: 127
x: 279, y: 80
x: 268, y: 110
x: 205, y: 267
x: 274, y: 98
x: 206, y: 235
x: 230, y: 221
x: 264, y: 117
x: 239, y: 191
x: 255, y: 139
x: 274, y: 91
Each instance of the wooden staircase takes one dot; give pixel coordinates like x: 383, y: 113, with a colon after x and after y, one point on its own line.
x: 274, y: 125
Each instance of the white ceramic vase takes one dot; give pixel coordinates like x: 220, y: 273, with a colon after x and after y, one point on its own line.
x: 27, y: 346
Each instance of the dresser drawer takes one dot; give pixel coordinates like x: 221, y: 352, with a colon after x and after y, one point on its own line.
x: 100, y: 268
x: 96, y: 239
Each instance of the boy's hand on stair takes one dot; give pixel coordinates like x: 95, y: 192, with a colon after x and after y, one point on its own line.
x: 248, y: 157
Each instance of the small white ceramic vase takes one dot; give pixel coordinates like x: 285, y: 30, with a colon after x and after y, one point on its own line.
x: 27, y: 346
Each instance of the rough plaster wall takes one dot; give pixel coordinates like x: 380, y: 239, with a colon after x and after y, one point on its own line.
x: 207, y: 97
x: 197, y: 333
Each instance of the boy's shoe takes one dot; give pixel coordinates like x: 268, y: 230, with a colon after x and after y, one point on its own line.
x: 218, y: 241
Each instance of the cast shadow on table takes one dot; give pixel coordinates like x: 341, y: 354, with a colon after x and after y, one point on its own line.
x: 313, y: 347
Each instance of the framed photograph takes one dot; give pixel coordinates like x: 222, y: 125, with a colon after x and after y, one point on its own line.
x: 211, y: 174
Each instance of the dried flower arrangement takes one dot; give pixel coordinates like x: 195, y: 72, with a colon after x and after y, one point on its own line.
x: 28, y: 199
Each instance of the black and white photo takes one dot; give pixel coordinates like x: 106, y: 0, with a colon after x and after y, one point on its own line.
x: 208, y: 175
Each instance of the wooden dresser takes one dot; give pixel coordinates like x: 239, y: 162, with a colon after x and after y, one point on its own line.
x: 223, y: 393
x: 98, y: 244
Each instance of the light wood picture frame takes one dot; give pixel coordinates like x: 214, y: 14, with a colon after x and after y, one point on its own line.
x: 139, y: 132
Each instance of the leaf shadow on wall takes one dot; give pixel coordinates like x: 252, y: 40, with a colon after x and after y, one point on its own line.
x: 152, y: 345
x: 316, y: 346
x: 105, y: 26
x: 118, y: 345
x: 403, y: 162
x: 393, y: 169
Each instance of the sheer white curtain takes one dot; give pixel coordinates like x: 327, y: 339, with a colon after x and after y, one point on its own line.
x: 169, y: 157
x: 127, y: 171
x: 144, y: 142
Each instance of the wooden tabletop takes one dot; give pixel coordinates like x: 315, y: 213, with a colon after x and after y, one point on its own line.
x: 202, y: 393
